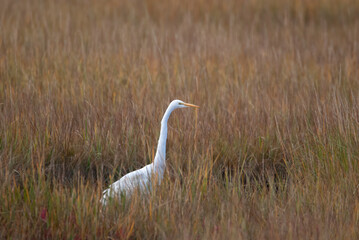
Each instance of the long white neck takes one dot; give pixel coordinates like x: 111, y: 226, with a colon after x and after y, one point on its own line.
x: 160, y: 157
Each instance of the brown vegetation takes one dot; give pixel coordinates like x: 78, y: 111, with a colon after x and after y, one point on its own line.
x: 271, y: 154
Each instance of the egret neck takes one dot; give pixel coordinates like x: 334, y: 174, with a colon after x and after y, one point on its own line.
x: 160, y: 159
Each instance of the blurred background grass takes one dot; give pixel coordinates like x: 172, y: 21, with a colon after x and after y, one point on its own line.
x: 272, y: 154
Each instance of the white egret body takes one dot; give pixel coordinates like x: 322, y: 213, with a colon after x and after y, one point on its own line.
x: 141, y: 179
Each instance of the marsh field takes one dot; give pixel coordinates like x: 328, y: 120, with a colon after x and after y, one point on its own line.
x: 272, y: 152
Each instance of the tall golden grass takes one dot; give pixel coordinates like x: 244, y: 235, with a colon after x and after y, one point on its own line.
x: 271, y: 154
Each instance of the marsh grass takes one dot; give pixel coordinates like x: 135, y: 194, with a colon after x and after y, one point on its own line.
x: 271, y: 154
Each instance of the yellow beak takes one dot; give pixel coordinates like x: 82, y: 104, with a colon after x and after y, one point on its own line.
x: 190, y: 105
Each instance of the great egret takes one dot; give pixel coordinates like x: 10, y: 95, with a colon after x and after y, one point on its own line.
x: 141, y: 179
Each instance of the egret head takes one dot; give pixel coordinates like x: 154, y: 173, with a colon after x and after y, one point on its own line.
x: 181, y: 104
